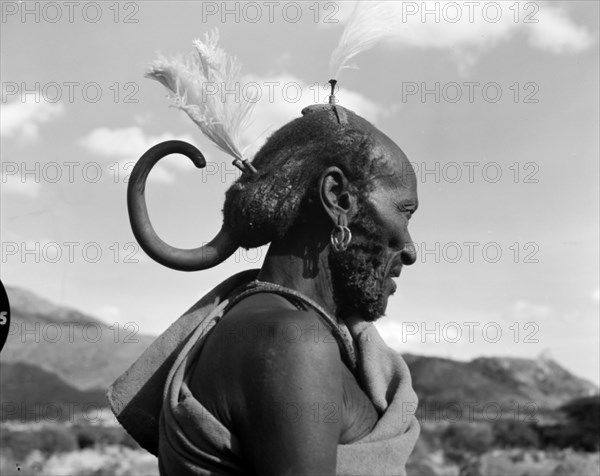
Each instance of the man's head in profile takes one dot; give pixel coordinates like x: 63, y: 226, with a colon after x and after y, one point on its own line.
x: 313, y: 173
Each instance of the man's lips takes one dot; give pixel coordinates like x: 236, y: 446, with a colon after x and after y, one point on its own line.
x: 393, y: 286
x: 393, y: 271
x: 394, y: 267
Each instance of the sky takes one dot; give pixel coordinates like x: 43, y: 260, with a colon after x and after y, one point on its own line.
x: 495, y: 104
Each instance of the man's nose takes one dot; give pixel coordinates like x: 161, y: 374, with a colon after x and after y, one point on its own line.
x: 408, y: 255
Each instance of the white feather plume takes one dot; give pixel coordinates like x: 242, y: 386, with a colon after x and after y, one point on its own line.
x: 370, y: 22
x: 192, y: 81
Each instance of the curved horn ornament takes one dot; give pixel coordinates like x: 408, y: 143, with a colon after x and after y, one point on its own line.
x: 216, y: 251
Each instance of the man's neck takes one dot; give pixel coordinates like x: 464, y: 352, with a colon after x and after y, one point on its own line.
x: 301, y: 270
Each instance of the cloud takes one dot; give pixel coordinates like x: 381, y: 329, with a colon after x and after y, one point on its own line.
x: 12, y: 184
x: 469, y: 29
x: 525, y: 311
x: 21, y: 120
x: 128, y: 144
x: 556, y: 33
x: 281, y: 99
x: 397, y: 335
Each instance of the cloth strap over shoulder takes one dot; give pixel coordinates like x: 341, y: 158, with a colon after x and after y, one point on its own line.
x: 194, y: 442
x: 338, y: 329
x: 136, y: 397
x: 153, y: 394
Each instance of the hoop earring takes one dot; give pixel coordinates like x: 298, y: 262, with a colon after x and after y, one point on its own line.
x: 341, y: 236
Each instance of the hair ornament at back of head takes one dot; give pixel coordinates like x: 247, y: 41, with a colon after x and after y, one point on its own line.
x: 221, y: 119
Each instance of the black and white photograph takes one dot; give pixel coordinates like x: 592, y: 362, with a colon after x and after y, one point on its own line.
x: 308, y: 238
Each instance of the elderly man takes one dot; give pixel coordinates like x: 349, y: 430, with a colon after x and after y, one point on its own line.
x: 290, y: 377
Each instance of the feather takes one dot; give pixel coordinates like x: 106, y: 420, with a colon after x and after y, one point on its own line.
x: 369, y: 23
x: 196, y: 83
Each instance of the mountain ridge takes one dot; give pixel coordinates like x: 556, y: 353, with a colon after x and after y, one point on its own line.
x: 503, y: 380
x: 82, y: 350
x: 81, y: 367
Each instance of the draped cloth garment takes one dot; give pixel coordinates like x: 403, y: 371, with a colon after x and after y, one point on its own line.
x: 153, y: 402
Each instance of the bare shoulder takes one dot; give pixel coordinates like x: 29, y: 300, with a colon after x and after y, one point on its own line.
x: 270, y: 372
x: 268, y: 327
x: 288, y: 377
x: 281, y: 351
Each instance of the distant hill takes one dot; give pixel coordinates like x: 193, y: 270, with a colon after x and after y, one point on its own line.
x: 49, y: 359
x: 30, y: 307
x: 30, y: 393
x: 82, y: 350
x: 498, y: 380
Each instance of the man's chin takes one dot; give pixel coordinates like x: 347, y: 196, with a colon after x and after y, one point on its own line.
x: 358, y: 286
x: 376, y: 310
x: 368, y: 300
x: 374, y: 319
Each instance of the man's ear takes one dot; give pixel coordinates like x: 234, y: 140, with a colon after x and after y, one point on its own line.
x: 335, y: 195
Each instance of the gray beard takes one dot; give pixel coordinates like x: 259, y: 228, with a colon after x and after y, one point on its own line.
x: 357, y: 272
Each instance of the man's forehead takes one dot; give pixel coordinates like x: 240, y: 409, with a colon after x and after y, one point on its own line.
x: 396, y: 166
x: 394, y: 169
